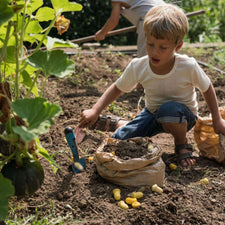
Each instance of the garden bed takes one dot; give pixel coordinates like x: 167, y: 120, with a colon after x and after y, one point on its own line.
x: 86, y: 198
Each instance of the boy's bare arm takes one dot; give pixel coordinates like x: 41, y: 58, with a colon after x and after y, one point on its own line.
x: 107, y: 98
x: 90, y: 116
x: 111, y: 23
x: 211, y: 100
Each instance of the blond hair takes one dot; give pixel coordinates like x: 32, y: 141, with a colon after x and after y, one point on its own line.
x: 166, y: 22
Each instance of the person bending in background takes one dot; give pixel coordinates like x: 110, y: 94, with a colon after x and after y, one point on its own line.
x: 134, y: 11
x: 169, y: 80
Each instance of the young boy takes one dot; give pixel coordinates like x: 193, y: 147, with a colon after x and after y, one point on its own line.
x: 134, y: 11
x: 169, y: 81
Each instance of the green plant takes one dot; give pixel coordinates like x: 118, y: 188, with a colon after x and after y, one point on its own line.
x: 24, y: 113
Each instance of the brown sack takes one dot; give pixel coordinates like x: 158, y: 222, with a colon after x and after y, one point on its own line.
x: 210, y: 144
x: 146, y: 170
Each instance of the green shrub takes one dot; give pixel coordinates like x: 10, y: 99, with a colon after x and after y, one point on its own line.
x: 208, y: 27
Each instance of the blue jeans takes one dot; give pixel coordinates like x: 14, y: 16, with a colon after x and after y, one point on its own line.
x: 147, y: 124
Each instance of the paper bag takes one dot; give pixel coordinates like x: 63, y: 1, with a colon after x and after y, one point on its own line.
x: 210, y: 144
x: 146, y: 170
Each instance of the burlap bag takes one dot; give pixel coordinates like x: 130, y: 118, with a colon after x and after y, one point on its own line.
x: 210, y: 144
x: 147, y: 170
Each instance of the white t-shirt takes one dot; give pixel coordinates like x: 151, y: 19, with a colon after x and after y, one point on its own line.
x: 138, y: 9
x: 178, y: 85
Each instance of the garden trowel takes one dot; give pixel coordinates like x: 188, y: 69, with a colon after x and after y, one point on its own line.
x: 79, y: 163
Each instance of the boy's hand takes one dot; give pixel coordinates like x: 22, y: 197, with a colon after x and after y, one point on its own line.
x: 88, y: 118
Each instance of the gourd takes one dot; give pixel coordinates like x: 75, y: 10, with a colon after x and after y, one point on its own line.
x: 27, y: 178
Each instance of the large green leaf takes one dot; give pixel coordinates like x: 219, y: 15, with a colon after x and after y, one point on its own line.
x: 45, y: 14
x: 6, y: 190
x: 34, y: 5
x: 6, y: 12
x: 11, y: 54
x: 66, y: 6
x: 51, y: 43
x: 34, y: 27
x: 57, y: 43
x: 38, y: 114
x: 52, y: 63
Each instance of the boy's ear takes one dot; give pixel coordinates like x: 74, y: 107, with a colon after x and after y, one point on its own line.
x: 179, y: 46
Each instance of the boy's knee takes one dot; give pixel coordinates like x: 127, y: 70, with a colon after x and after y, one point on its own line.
x: 171, y: 112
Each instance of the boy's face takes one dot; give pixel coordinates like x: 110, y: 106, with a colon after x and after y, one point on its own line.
x: 161, y: 54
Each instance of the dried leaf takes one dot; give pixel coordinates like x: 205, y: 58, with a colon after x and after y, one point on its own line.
x: 62, y: 24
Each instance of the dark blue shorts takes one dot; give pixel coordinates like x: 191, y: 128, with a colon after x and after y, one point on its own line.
x: 147, y: 124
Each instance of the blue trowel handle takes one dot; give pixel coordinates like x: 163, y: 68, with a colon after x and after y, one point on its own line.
x: 71, y: 140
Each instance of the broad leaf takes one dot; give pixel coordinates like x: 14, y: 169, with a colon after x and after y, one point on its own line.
x: 11, y: 54
x: 57, y: 43
x: 38, y: 114
x: 51, y: 43
x: 66, y: 6
x: 34, y: 27
x: 34, y: 5
x: 52, y: 63
x: 6, y: 12
x: 6, y: 190
x: 45, y: 14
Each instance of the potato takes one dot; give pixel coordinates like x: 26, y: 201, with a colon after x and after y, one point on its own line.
x: 136, y: 204
x: 204, y: 181
x: 130, y: 200
x: 172, y: 166
x: 116, y: 193
x: 137, y: 194
x: 123, y: 205
x: 157, y: 189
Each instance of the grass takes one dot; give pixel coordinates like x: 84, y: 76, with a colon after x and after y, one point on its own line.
x: 35, y: 219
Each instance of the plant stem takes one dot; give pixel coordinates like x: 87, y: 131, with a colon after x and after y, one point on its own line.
x: 43, y: 86
x: 34, y: 82
x: 22, y: 30
x: 4, y: 138
x: 7, y: 159
x: 4, y: 48
x: 17, y: 62
x: 46, y: 33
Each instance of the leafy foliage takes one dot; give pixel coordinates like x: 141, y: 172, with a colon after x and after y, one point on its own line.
x: 37, y: 113
x: 6, y: 190
x: 90, y: 19
x: 24, y: 113
x: 209, y: 27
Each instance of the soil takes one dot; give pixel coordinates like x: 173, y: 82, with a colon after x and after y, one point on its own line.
x: 86, y: 198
